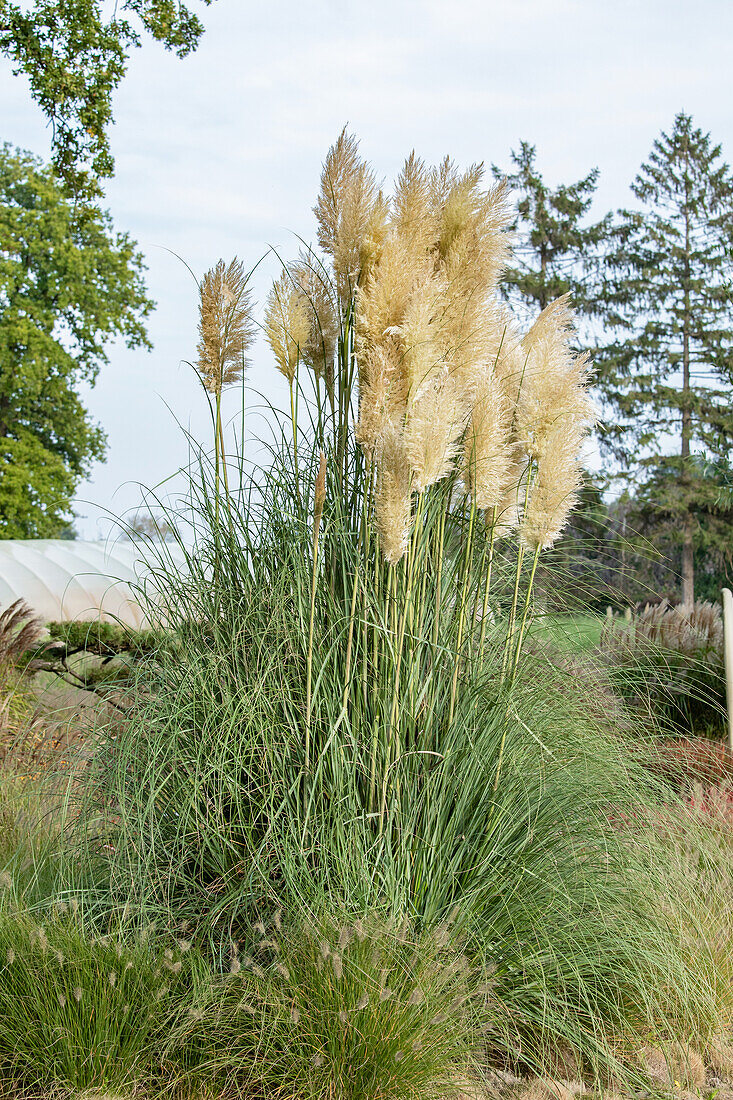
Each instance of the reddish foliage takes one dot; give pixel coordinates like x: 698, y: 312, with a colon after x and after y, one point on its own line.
x: 695, y: 761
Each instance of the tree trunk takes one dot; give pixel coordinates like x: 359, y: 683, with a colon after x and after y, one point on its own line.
x: 688, y: 561
x: 688, y: 565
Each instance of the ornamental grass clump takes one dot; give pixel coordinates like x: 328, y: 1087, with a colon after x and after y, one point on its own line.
x: 671, y: 664
x: 348, y: 722
x: 79, y: 1009
x: 359, y: 1008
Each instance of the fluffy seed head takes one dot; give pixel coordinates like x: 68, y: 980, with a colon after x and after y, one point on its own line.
x: 226, y: 327
x: 287, y: 324
x: 351, y: 213
x: 553, y: 394
x: 435, y: 423
x: 393, y: 502
x: 488, y: 444
x: 553, y: 491
x: 319, y: 298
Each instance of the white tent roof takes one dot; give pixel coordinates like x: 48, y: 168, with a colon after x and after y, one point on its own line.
x: 64, y: 579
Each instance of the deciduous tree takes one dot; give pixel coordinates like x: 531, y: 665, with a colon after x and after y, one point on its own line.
x: 74, y: 57
x: 68, y: 286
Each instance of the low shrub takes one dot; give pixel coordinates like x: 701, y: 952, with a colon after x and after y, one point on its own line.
x: 668, y: 661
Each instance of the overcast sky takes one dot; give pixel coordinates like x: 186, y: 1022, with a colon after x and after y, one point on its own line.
x: 220, y: 153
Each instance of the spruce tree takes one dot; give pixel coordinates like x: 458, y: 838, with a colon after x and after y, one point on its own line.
x: 667, y: 303
x: 555, y: 249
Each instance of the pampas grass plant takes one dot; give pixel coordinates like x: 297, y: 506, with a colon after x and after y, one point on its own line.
x: 344, y: 722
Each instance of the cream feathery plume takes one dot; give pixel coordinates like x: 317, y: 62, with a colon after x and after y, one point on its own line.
x: 351, y: 213
x: 459, y: 206
x: 421, y: 337
x: 382, y: 395
x: 287, y: 324
x: 319, y: 350
x: 393, y: 500
x: 509, y: 509
x: 226, y: 325
x: 385, y: 293
x: 473, y: 248
x: 413, y: 212
x: 489, y: 451
x: 554, y: 489
x: 340, y: 169
x: 436, y: 420
x: 554, y: 387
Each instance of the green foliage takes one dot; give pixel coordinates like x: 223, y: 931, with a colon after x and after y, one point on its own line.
x: 103, y: 639
x: 654, y: 513
x: 357, y: 1009
x: 75, y: 58
x: 667, y: 305
x: 669, y: 662
x: 78, y: 1010
x: 68, y: 286
x: 504, y: 815
x: 555, y: 251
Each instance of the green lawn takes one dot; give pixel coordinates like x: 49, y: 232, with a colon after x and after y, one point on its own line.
x: 569, y: 632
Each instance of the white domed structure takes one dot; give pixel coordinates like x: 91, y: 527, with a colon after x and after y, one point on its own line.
x: 62, y: 580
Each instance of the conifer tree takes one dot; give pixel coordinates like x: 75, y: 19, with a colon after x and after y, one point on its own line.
x: 667, y: 303
x: 554, y: 248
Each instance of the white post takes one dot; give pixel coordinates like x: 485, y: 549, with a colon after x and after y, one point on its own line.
x: 728, y: 630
